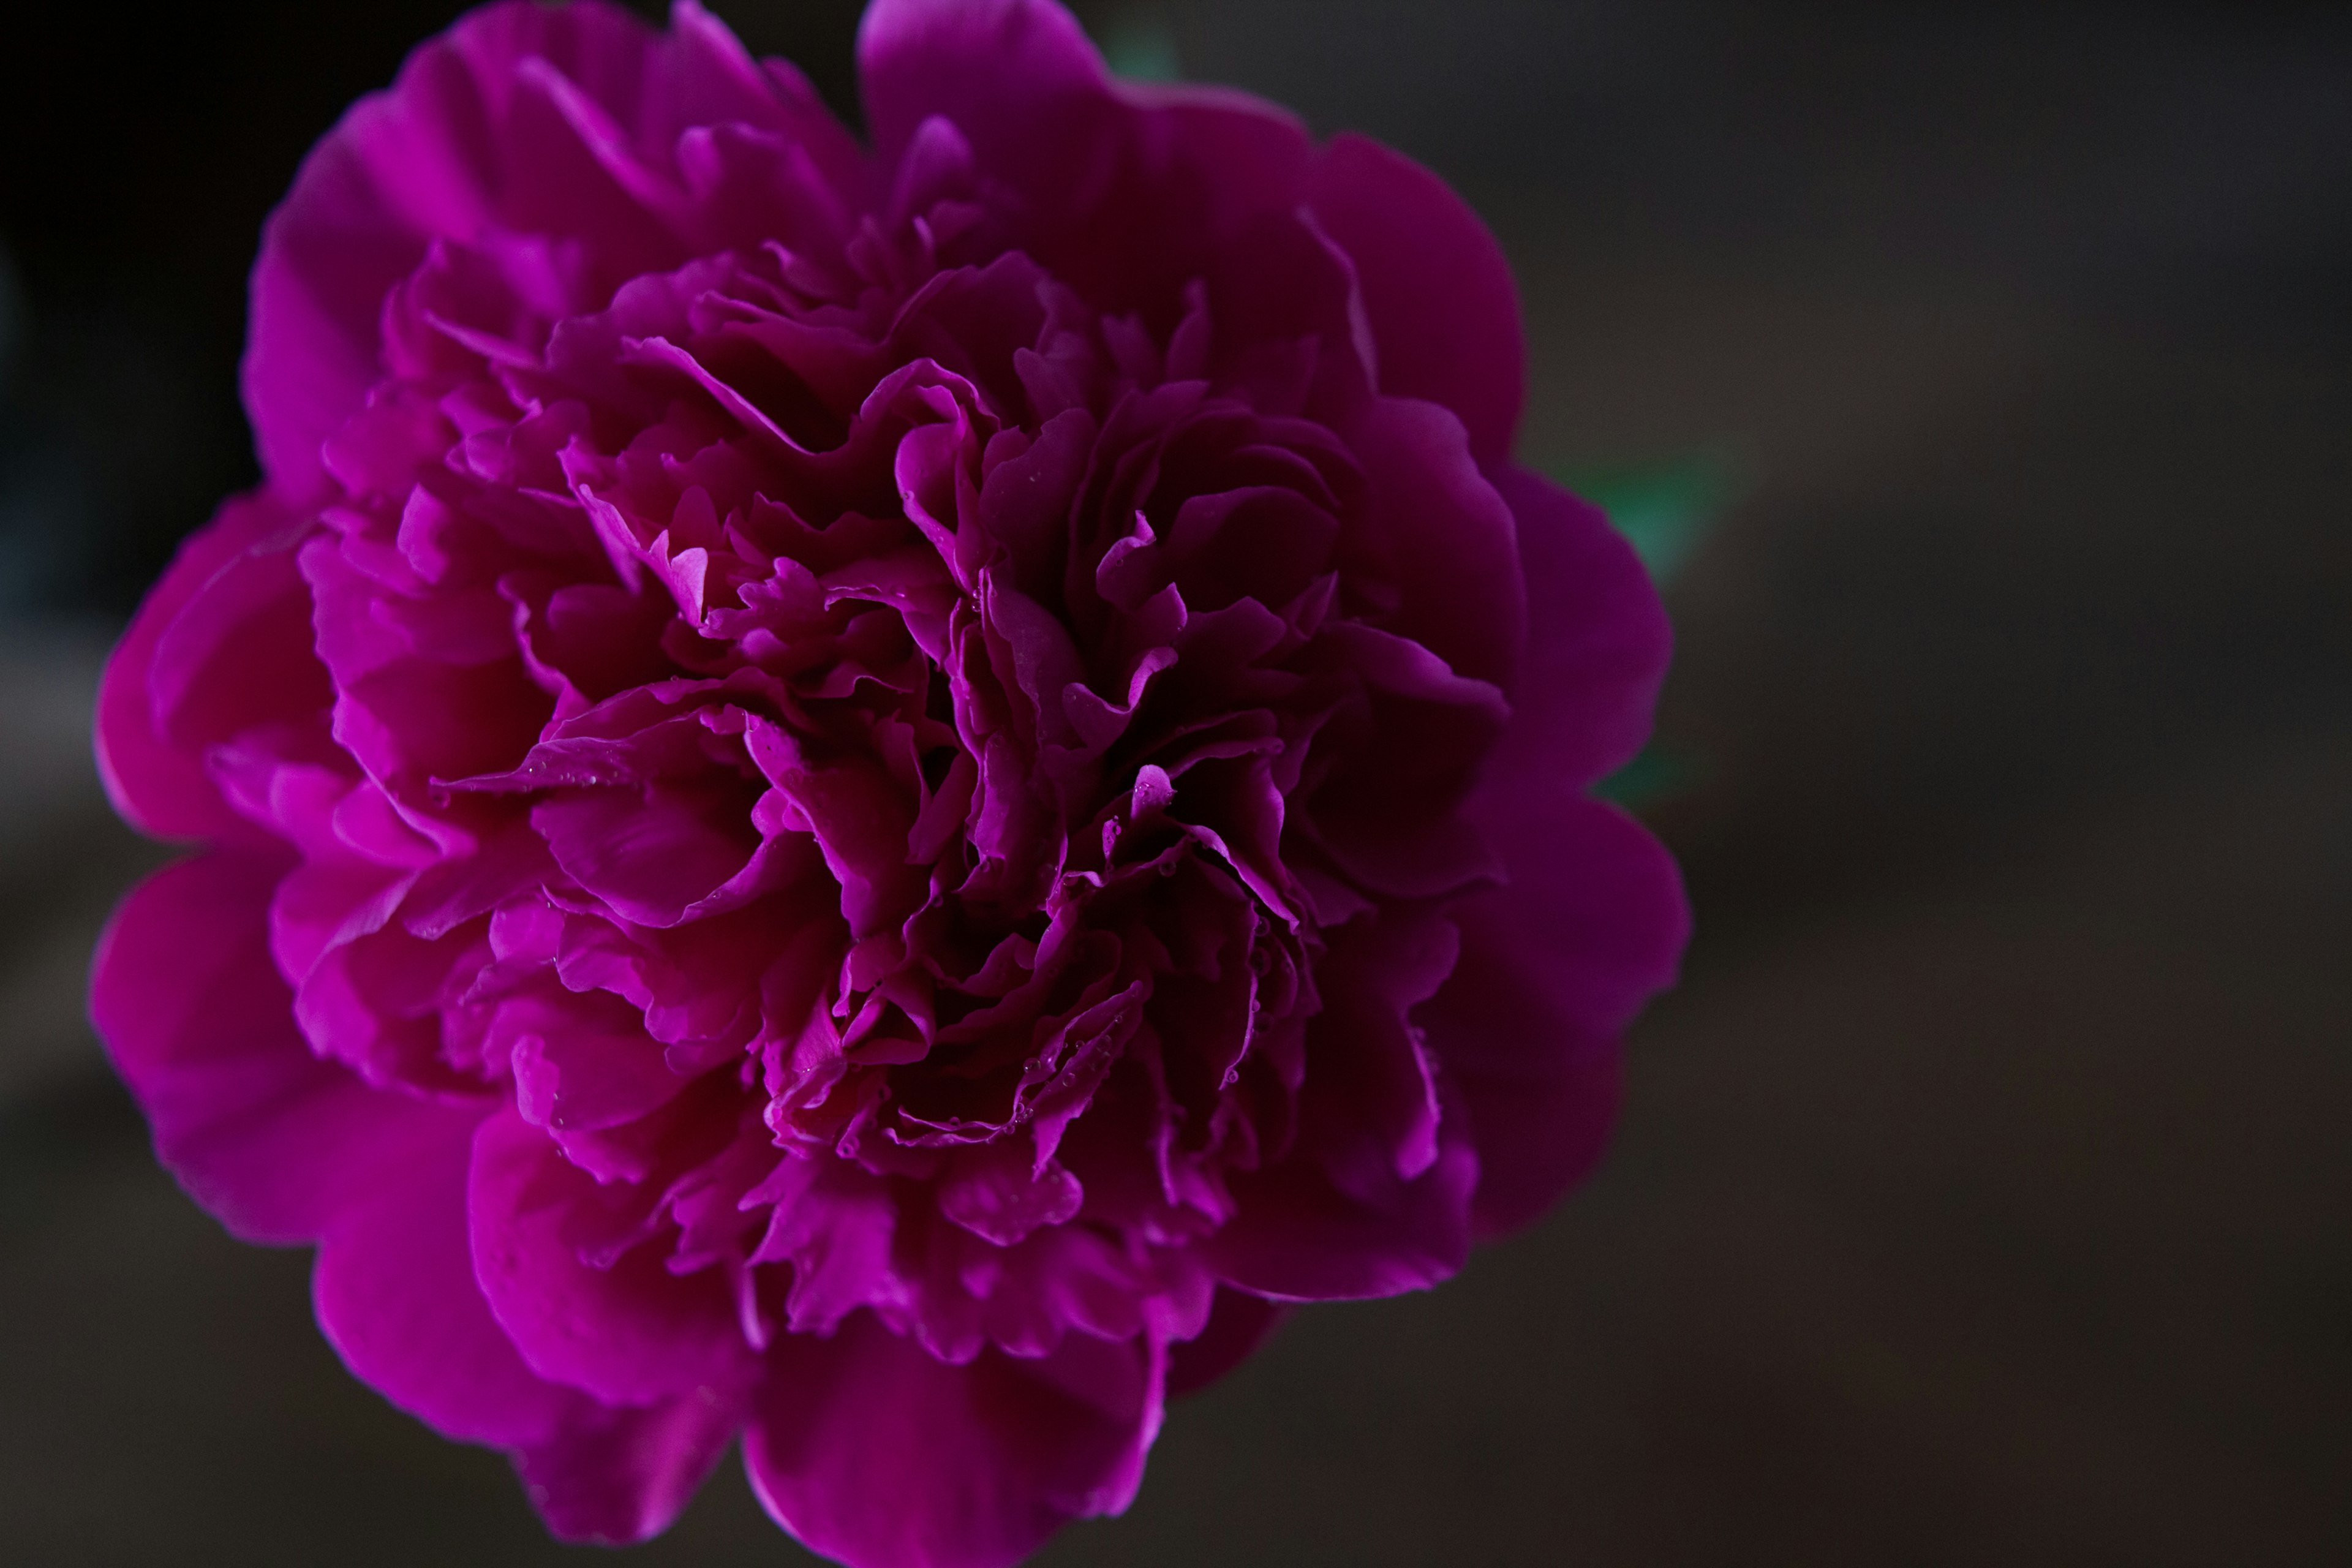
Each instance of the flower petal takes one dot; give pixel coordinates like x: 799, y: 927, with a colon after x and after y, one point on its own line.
x: 219, y: 624
x: 1553, y: 967
x: 1449, y: 536
x: 1444, y: 313
x: 1125, y: 192
x: 614, y: 1478
x: 870, y: 1450
x: 632, y: 1333
x: 395, y: 1295
x: 1016, y: 76
x: 1334, y: 1221
x: 1598, y: 644
x: 275, y: 1143
x: 559, y: 121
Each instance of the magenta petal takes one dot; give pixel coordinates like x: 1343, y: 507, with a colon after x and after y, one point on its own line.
x: 652, y: 856
x: 871, y: 1451
x: 1453, y: 538
x: 1299, y: 1237
x: 1376, y: 973
x: 329, y: 257
x: 1016, y: 76
x: 629, y: 1334
x: 1334, y: 1221
x: 614, y: 1478
x: 1436, y: 288
x: 402, y: 167
x: 158, y: 784
x: 1553, y: 967
x: 1598, y: 642
x: 1538, y: 1136
x: 395, y: 1294
x: 998, y: 1193
x: 273, y: 1142
x: 711, y: 80
x: 1126, y: 191
x: 582, y: 1061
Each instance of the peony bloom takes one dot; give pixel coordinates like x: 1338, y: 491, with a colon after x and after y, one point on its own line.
x: 872, y: 798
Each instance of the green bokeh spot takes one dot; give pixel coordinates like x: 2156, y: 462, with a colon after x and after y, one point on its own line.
x: 1654, y: 775
x: 1662, y: 508
x: 1138, y: 44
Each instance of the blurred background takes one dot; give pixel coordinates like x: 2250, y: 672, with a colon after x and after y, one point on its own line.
x: 1983, y: 1195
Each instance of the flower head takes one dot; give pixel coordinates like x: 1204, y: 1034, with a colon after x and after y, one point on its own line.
x: 871, y: 797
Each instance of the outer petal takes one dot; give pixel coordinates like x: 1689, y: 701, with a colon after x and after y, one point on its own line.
x: 1598, y: 642
x: 1303, y: 1234
x: 156, y: 779
x: 1594, y: 921
x: 870, y: 1450
x: 1015, y: 75
x: 395, y: 1295
x: 400, y: 168
x: 273, y: 1142
x: 632, y: 1333
x: 1436, y: 290
x: 1552, y: 968
x: 1124, y: 192
x: 1451, y: 537
x: 424, y: 160
x: 397, y: 1298
x: 1374, y: 1199
x: 1365, y: 1063
x: 618, y: 1477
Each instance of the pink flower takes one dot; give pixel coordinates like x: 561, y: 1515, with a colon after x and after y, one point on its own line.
x: 872, y: 798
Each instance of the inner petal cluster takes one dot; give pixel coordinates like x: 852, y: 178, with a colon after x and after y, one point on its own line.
x: 869, y: 746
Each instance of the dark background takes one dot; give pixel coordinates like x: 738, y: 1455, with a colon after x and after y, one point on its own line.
x: 1984, y: 1195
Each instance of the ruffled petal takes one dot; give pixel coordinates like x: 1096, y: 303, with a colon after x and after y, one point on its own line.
x: 422, y: 161
x: 581, y: 1060
x: 630, y: 1332
x: 920, y: 727
x: 275, y: 1143
x: 870, y: 1450
x: 1334, y: 1220
x: 569, y: 123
